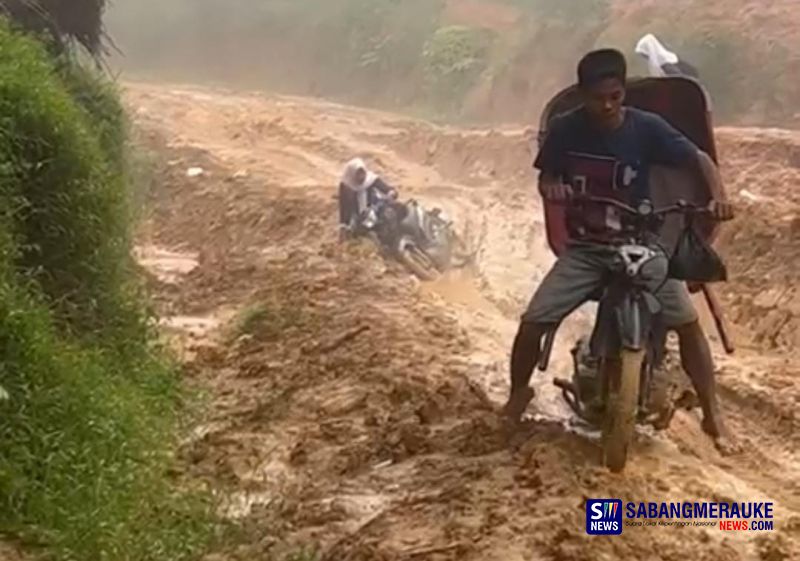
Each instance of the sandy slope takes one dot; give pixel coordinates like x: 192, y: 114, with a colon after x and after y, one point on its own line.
x: 356, y: 409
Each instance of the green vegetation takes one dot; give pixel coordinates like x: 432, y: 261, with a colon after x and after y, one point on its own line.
x: 87, y: 431
x: 454, y: 58
x: 305, y: 554
x: 267, y: 319
x: 360, y: 50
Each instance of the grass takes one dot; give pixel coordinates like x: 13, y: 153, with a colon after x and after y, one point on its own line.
x: 304, y: 554
x: 89, y: 426
x: 454, y: 58
x: 267, y: 320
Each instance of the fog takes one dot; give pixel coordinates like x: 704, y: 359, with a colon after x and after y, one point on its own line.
x: 486, y: 60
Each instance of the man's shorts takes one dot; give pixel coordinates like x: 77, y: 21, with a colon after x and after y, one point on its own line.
x: 578, y: 275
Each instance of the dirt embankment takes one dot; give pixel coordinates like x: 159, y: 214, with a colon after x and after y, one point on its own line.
x: 354, y: 409
x: 762, y: 170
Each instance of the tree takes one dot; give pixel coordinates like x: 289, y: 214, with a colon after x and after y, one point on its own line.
x: 64, y: 21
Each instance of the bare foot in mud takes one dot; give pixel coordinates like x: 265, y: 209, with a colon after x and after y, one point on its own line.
x: 517, y: 403
x: 724, y: 441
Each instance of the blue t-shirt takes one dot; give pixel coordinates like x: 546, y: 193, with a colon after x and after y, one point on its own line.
x: 610, y: 163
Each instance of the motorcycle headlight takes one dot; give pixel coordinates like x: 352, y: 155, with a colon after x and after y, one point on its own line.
x: 645, y: 208
x: 370, y: 219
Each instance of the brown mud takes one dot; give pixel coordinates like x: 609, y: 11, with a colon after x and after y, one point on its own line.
x: 355, y: 409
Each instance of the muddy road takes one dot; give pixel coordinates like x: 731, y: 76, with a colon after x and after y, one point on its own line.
x: 353, y: 409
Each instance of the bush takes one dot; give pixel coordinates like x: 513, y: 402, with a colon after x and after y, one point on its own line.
x: 366, y: 50
x: 92, y: 406
x: 358, y: 50
x: 61, y: 168
x: 454, y: 58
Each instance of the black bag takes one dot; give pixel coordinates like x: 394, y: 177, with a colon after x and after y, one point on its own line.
x: 694, y: 260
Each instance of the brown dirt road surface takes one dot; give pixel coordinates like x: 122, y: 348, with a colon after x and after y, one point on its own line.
x: 353, y: 409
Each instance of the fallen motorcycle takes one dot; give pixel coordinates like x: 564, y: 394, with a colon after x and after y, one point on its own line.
x: 423, y: 241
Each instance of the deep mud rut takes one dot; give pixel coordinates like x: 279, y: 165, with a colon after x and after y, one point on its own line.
x: 354, y: 409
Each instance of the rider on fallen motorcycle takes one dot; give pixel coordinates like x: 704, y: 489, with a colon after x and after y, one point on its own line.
x: 606, y: 149
x: 361, y: 190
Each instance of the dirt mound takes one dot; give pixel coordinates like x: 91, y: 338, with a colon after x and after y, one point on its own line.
x: 762, y: 246
x: 475, y: 158
x: 10, y: 553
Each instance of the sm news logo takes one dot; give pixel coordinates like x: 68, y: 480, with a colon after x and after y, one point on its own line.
x: 604, y: 517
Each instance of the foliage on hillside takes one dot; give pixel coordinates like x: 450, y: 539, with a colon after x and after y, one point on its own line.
x: 92, y: 405
x: 453, y: 59
x: 378, y: 51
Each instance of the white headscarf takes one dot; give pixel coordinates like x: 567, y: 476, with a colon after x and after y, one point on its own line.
x: 349, y: 180
x: 656, y: 54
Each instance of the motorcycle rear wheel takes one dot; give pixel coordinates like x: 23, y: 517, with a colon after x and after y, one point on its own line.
x: 621, y: 410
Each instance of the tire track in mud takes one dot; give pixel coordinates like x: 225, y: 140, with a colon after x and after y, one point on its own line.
x: 353, y: 408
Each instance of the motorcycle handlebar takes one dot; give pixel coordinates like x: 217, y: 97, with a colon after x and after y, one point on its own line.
x: 681, y: 206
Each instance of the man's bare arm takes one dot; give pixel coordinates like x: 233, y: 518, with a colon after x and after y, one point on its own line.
x: 722, y: 208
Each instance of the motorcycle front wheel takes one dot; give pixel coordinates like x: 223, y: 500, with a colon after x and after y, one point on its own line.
x: 621, y: 409
x: 417, y: 262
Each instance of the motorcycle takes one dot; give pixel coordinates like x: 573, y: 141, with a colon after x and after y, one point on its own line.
x: 685, y: 104
x: 423, y: 241
x: 617, y: 371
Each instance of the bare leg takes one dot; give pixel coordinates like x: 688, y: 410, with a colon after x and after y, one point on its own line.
x: 699, y: 365
x: 524, y: 358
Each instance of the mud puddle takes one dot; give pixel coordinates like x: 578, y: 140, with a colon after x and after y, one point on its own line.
x: 168, y: 266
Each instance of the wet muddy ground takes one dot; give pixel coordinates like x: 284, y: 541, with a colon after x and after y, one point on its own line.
x: 353, y: 408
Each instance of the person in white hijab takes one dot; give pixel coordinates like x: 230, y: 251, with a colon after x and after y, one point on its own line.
x: 359, y: 189
x: 661, y: 61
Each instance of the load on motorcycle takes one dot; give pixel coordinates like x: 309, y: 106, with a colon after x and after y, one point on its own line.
x: 606, y: 155
x: 423, y: 241
x: 661, y: 61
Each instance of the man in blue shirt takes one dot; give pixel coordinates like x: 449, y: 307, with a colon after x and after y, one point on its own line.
x: 607, y: 149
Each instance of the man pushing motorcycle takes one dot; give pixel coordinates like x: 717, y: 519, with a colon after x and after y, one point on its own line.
x: 606, y: 149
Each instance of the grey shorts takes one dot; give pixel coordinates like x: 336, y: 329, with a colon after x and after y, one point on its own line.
x: 578, y: 274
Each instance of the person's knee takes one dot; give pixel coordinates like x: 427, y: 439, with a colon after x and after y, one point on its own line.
x: 695, y: 350
x: 690, y: 330
x: 531, y: 331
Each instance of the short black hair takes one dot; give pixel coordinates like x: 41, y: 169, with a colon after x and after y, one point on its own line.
x: 601, y: 65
